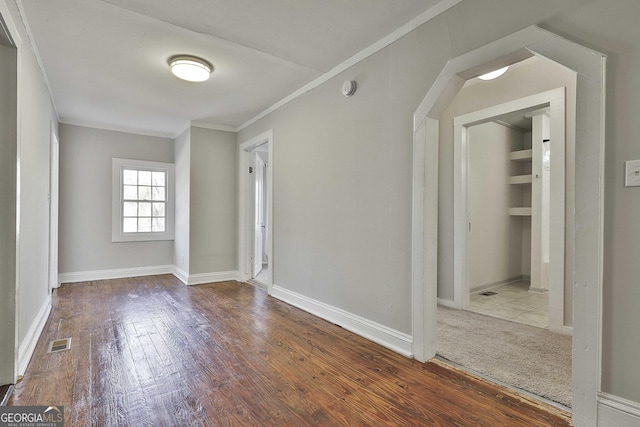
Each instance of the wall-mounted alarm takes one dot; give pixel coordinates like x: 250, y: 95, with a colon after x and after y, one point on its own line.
x: 349, y: 88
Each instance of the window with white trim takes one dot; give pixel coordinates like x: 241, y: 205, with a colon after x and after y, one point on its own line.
x: 142, y: 200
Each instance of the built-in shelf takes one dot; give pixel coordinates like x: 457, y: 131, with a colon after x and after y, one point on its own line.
x: 525, y: 211
x: 520, y: 179
x: 521, y: 155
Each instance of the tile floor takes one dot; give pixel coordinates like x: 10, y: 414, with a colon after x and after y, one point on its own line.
x: 514, y: 302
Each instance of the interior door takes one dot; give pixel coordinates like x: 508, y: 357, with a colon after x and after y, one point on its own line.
x: 259, y: 220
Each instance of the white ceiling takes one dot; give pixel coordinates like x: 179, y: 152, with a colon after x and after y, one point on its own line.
x: 106, y: 60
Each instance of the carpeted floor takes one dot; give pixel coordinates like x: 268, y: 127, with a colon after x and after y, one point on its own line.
x: 523, y: 356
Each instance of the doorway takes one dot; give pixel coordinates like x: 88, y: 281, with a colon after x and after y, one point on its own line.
x: 255, y: 251
x: 589, y: 196
x: 510, y: 207
x: 54, y: 282
x: 8, y: 193
x: 259, y: 173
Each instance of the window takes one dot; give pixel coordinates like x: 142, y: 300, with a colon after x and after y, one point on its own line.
x: 142, y: 200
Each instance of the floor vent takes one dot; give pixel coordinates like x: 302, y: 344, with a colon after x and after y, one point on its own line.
x: 59, y: 345
x: 489, y: 293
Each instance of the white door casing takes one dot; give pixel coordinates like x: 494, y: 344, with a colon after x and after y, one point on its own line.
x: 590, y: 67
x: 259, y: 226
x: 555, y: 100
x: 245, y: 201
x: 53, y: 211
x: 10, y: 287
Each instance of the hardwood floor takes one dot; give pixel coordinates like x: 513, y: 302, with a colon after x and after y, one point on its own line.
x: 152, y: 352
x: 4, y: 392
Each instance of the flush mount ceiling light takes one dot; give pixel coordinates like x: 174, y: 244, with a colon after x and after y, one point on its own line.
x: 494, y: 74
x: 190, y: 68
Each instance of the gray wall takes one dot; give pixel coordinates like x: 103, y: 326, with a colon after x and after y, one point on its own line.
x: 495, y: 240
x: 8, y: 98
x: 342, y: 168
x: 85, y: 200
x: 35, y: 139
x: 214, y: 202
x: 36, y: 117
x: 182, y: 150
x: 206, y: 202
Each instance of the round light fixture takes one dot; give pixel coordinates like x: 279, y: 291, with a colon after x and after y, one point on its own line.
x: 190, y: 68
x: 494, y: 74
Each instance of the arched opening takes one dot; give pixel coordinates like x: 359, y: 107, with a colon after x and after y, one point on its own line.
x: 589, y: 161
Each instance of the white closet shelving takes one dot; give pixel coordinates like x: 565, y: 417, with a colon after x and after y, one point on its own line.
x: 524, y: 158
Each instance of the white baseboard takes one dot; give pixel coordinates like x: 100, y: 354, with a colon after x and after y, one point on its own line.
x: 199, y: 279
x: 448, y: 303
x: 182, y: 275
x: 27, y: 347
x: 387, y: 337
x: 614, y: 411
x: 187, y: 279
x: 86, y: 276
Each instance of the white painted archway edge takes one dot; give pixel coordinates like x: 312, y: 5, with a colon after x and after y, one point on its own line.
x: 589, y: 196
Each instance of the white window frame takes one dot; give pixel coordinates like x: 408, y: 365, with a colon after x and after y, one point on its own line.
x: 117, y: 235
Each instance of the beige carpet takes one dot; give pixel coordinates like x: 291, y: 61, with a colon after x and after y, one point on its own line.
x: 523, y: 356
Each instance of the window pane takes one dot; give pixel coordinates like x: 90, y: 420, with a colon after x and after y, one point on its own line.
x: 144, y: 193
x: 130, y: 209
x: 144, y: 225
x: 144, y: 209
x: 144, y: 177
x: 158, y: 193
x: 130, y: 225
x: 129, y: 177
x: 157, y: 178
x: 158, y: 224
x: 130, y: 192
x: 158, y: 210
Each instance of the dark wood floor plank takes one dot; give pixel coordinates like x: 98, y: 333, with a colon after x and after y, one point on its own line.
x: 150, y: 351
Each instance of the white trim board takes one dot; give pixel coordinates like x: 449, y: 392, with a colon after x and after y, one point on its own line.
x: 389, y: 39
x: 122, y: 273
x: 554, y: 100
x: 419, y: 20
x: 380, y: 334
x: 245, y: 209
x: 211, y: 126
x: 36, y: 53
x: 202, y: 278
x: 28, y: 346
x: 119, y: 273
x: 614, y: 411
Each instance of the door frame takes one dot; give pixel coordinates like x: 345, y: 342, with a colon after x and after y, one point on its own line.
x: 555, y: 100
x: 259, y: 204
x: 589, y: 196
x: 245, y: 209
x: 17, y: 40
x: 54, y: 191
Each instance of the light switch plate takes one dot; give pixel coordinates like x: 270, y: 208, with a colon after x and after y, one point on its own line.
x: 632, y: 173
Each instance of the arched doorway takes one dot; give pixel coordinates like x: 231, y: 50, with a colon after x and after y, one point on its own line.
x: 589, y: 193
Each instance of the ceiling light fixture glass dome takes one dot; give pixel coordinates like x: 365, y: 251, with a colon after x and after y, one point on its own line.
x: 494, y: 74
x: 190, y: 68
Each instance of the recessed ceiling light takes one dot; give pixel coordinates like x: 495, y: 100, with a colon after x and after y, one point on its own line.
x: 190, y: 68
x: 494, y: 74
